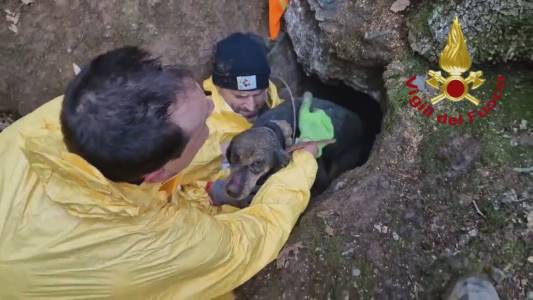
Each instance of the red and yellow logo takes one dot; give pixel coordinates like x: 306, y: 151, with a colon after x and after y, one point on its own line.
x: 455, y: 60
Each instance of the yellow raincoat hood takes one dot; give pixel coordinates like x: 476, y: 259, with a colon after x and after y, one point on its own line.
x: 66, y: 232
x: 79, y: 187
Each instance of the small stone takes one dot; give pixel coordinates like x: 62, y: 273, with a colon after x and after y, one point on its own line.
x: 395, y: 236
x: 348, y: 252
x: 473, y: 232
x: 13, y: 28
x: 14, y: 19
x: 76, y: 69
x: 508, y: 197
x: 524, y: 282
x: 381, y: 228
x: 399, y: 5
x: 530, y: 259
x: 329, y: 230
x: 340, y: 185
x: 356, y: 272
x: 523, y: 125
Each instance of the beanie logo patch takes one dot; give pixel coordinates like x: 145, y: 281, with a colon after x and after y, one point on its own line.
x: 245, y: 83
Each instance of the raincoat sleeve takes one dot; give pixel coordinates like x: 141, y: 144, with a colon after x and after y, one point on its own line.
x: 203, y: 256
x: 209, y: 164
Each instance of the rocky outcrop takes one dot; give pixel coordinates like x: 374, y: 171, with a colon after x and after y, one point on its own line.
x: 497, y: 31
x: 350, y: 41
x: 354, y: 41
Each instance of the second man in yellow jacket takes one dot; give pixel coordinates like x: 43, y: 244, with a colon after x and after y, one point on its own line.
x: 240, y: 89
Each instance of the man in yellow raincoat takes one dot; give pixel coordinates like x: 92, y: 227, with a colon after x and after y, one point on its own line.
x: 240, y: 80
x: 90, y: 204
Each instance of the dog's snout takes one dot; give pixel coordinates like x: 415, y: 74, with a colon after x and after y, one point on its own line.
x: 234, y: 185
x: 232, y: 191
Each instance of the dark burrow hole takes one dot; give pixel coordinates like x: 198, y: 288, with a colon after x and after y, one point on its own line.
x: 360, y: 103
x: 287, y: 70
x: 364, y: 105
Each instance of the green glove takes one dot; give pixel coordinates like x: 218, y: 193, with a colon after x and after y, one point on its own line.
x: 314, y: 125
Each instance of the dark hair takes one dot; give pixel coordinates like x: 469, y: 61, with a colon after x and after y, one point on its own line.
x: 116, y: 114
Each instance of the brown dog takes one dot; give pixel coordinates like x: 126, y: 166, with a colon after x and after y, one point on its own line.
x: 257, y: 153
x: 252, y: 155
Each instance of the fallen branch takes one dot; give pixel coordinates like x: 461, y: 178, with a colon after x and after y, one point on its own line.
x: 524, y: 170
x: 478, y: 210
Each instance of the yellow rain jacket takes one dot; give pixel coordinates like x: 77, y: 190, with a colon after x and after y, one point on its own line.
x: 66, y: 232
x: 208, y: 164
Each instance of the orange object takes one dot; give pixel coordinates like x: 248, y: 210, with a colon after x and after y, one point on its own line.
x: 276, y: 8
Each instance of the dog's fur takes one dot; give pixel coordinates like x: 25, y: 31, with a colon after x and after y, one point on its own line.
x: 257, y: 153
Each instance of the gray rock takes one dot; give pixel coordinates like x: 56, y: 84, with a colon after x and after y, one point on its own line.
x: 496, y: 31
x: 473, y: 288
x: 345, y: 40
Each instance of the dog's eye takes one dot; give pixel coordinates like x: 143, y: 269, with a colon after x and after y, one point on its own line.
x: 234, y: 158
x: 257, y: 166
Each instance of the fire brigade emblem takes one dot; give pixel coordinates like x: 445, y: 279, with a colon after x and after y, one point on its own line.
x: 455, y: 60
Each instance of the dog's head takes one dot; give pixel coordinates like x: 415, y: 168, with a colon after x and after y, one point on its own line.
x: 255, y: 154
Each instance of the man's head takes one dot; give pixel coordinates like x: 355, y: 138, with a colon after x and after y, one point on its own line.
x: 133, y: 118
x: 241, y: 73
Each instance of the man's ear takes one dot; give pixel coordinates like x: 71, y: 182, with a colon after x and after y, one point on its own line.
x: 282, y: 157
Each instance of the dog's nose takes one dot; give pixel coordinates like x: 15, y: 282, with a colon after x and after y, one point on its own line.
x: 232, y: 191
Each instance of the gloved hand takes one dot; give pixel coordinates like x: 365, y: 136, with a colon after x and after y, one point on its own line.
x: 216, y: 192
x: 314, y: 125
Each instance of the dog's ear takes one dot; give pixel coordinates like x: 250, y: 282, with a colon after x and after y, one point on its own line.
x: 228, y: 152
x: 282, y: 158
x: 286, y: 128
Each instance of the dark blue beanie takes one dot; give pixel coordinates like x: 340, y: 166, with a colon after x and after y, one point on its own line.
x: 241, y: 63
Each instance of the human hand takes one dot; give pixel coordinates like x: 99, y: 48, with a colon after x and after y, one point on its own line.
x: 315, y: 125
x: 311, y: 147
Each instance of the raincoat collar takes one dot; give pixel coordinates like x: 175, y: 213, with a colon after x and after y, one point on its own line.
x: 81, y: 188
x: 222, y: 106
